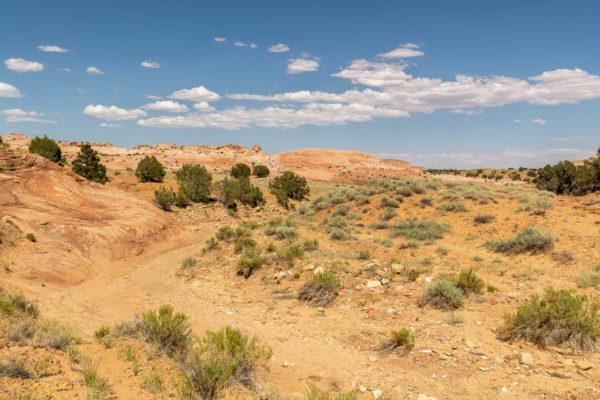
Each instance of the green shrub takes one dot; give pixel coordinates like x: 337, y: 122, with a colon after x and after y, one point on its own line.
x: 219, y: 360
x: 452, y: 206
x: 168, y: 331
x: 336, y: 233
x: 165, y: 198
x: 52, y: 335
x: 480, y: 219
x: 260, y: 171
x: 529, y: 240
x: 469, y: 283
x: 388, y: 214
x: 98, y: 387
x: 149, y: 169
x: 589, y: 278
x: 242, y: 191
x: 559, y: 318
x: 364, y: 254
x: 194, y: 182
x: 443, y: 295
x: 249, y: 261
x: 380, y: 224
x: 314, y: 393
x: 225, y: 233
x: 181, y: 200
x: 101, y: 332
x: 243, y: 240
x: 22, y: 330
x: 46, y: 148
x: 87, y: 164
x: 289, y: 186
x: 153, y: 382
x: 17, y: 305
x: 281, y: 228
x: 13, y: 368
x: 563, y: 257
x: 189, y: 262
x: 342, y: 211
x: 310, y: 244
x: 321, y: 290
x: 386, y: 202
x: 420, y: 230
x: 426, y: 202
x: 401, y: 340
x: 31, y: 237
x: 240, y: 170
x: 411, y: 274
x: 290, y: 252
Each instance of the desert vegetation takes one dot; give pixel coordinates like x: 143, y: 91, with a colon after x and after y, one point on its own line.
x: 88, y: 165
x: 368, y: 280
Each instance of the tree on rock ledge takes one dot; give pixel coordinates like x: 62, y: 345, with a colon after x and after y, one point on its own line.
x: 87, y: 164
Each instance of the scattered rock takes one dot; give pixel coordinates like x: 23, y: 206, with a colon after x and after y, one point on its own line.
x: 373, y: 284
x: 561, y: 375
x: 391, y: 311
x: 318, y: 270
x: 279, y: 276
x: 397, y: 268
x: 583, y: 365
x: 525, y: 358
x: 286, y: 364
x: 385, y: 281
x: 377, y: 393
x: 373, y: 358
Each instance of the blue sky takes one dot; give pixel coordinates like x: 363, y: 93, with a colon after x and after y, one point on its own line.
x: 439, y: 83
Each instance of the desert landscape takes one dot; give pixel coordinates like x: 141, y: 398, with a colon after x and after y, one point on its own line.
x: 341, y: 288
x: 315, y: 200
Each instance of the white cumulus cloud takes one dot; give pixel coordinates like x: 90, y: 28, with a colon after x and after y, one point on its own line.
x: 203, y: 106
x: 407, y: 50
x: 8, y: 90
x: 110, y: 125
x: 48, y: 48
x: 538, y: 121
x: 196, y: 94
x: 94, y: 71
x: 279, y: 48
x: 167, y: 105
x: 301, y: 65
x: 21, y: 65
x: 220, y: 39
x: 113, y: 113
x: 150, y: 64
x: 18, y: 115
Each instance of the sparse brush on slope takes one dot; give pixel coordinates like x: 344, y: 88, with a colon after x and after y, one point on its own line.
x: 559, y: 318
x: 469, y: 283
x: 220, y: 359
x: 281, y: 228
x: 314, y: 393
x: 443, y: 295
x: 529, y: 240
x: 400, y: 340
x: 167, y: 330
x: 413, y: 229
x: 321, y: 290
